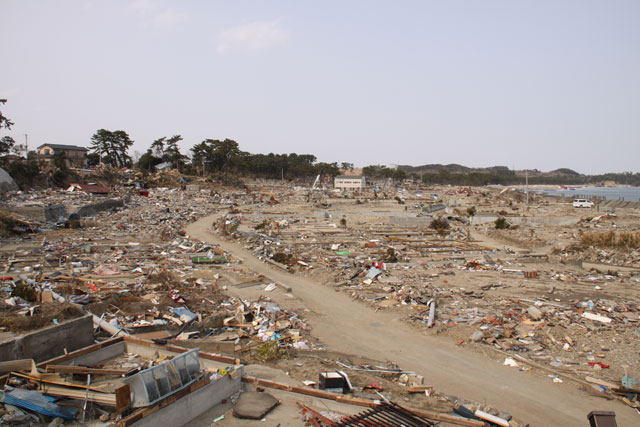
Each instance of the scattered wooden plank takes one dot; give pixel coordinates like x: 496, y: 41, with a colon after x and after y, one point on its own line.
x: 123, y: 397
x: 178, y: 349
x: 316, y: 414
x: 80, y: 279
x: 55, y: 382
x: 360, y: 402
x: 93, y: 396
x: 419, y: 388
x: 16, y: 365
x: 491, y: 418
x: 154, y: 335
x: 603, y: 383
x: 310, y: 392
x: 84, y: 370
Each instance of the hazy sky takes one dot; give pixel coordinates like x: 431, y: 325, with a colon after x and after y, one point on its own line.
x: 525, y: 84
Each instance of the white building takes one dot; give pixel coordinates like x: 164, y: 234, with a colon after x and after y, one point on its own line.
x: 350, y: 182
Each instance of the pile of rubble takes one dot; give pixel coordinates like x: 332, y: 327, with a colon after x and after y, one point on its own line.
x: 583, y: 326
x: 138, y: 273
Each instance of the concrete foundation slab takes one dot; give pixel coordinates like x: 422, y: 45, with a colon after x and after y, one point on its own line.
x: 254, y: 405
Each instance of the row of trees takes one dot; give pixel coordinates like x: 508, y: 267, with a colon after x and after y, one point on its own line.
x: 216, y: 156
x: 384, y: 172
x: 224, y: 156
x: 112, y: 147
x: 207, y: 157
x: 163, y: 150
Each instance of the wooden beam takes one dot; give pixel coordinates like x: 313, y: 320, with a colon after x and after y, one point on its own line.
x: 56, y: 382
x: 177, y: 349
x: 16, y: 365
x: 360, y: 402
x: 123, y: 397
x: 310, y: 392
x: 419, y: 389
x: 84, y: 370
x: 93, y: 396
x: 79, y: 279
x: 604, y: 383
x: 316, y: 414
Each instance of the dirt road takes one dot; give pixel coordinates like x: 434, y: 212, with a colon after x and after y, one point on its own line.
x: 350, y: 327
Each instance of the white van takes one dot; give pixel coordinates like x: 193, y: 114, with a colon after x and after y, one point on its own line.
x: 582, y: 203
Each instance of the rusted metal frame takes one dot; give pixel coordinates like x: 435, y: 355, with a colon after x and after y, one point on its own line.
x: 317, y: 414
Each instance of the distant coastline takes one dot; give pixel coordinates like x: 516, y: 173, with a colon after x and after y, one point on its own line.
x: 623, y: 193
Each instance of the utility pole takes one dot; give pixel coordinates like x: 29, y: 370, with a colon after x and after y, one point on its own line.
x: 26, y: 145
x: 526, y: 178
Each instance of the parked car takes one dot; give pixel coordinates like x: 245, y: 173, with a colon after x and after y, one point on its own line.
x: 582, y: 203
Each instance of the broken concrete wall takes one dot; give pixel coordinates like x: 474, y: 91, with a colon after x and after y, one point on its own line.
x: 521, y: 220
x: 422, y: 221
x: 94, y: 208
x: 51, y: 213
x: 47, y: 213
x: 54, y: 212
x: 49, y: 342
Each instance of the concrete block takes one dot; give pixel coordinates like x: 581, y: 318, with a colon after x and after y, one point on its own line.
x: 534, y: 312
x: 49, y: 342
x: 254, y: 405
x: 94, y: 208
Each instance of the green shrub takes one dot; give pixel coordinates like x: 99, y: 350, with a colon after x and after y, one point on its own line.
x: 502, y: 223
x: 390, y: 256
x: 439, y: 223
x: 264, y: 224
x: 271, y: 351
x: 24, y: 173
x: 74, y: 224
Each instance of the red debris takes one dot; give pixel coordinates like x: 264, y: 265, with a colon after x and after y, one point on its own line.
x: 374, y: 385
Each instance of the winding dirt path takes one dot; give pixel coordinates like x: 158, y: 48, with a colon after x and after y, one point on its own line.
x: 350, y: 327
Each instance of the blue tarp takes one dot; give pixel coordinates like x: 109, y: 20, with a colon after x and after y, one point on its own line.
x: 184, y: 312
x: 36, y: 402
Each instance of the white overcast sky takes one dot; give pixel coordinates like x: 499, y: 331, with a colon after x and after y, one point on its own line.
x: 524, y: 84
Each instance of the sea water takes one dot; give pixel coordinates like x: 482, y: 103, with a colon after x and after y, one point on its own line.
x: 628, y: 194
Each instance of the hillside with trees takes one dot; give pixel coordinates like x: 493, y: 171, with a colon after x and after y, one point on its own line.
x: 501, y: 175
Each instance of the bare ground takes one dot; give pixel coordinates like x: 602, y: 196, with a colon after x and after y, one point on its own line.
x: 349, y: 327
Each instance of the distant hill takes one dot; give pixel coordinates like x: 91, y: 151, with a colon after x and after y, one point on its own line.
x: 564, y: 171
x: 455, y: 168
x: 452, y: 168
x: 462, y: 175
